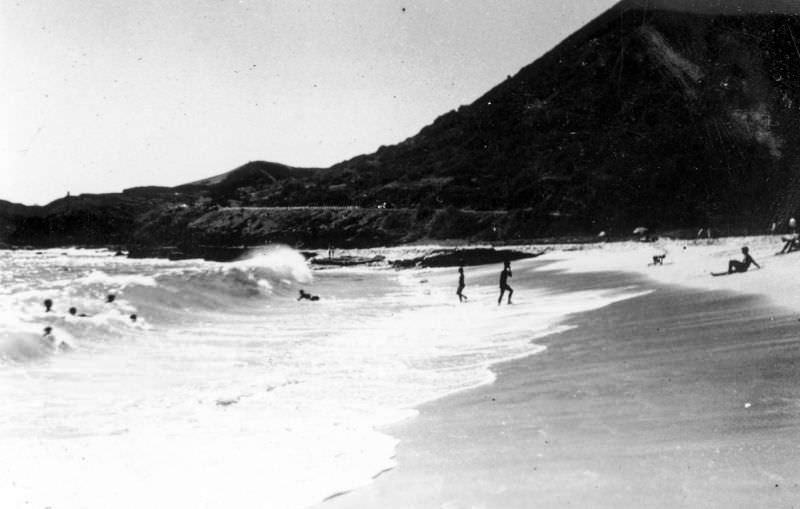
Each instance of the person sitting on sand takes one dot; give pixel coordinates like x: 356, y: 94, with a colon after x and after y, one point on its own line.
x: 504, y: 282
x: 47, y: 305
x: 73, y: 311
x: 307, y: 296
x: 742, y: 266
x: 461, y: 285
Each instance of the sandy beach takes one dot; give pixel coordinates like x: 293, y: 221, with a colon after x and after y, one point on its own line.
x: 688, y: 396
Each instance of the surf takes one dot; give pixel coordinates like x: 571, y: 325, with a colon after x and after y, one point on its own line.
x: 143, y: 294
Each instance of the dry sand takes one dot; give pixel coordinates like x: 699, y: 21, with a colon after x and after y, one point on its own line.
x: 686, y: 397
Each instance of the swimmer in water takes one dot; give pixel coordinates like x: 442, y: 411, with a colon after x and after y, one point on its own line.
x: 110, y: 298
x: 461, y: 285
x: 47, y: 305
x: 504, y: 283
x: 133, y: 317
x: 307, y: 296
x: 73, y: 312
x: 48, y: 335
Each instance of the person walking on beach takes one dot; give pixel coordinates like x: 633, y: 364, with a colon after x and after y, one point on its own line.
x: 742, y: 266
x: 461, y: 285
x: 504, y: 282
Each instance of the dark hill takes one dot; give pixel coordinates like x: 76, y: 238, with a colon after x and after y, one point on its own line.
x: 11, y: 214
x: 645, y: 115
x: 245, y: 180
x: 669, y: 113
x: 87, y: 219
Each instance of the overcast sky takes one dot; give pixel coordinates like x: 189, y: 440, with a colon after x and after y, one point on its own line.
x: 97, y: 96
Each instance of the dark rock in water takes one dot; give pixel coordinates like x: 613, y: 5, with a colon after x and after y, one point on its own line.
x: 153, y: 252
x: 464, y: 257
x: 208, y: 253
x: 346, y: 261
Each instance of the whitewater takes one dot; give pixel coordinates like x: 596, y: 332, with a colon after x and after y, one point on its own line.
x: 226, y: 391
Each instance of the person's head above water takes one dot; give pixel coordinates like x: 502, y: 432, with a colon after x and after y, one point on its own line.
x: 133, y: 317
x: 48, y: 330
x: 48, y: 304
x: 110, y: 297
x: 72, y: 311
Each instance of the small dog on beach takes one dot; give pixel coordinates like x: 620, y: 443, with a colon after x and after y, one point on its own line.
x: 659, y: 259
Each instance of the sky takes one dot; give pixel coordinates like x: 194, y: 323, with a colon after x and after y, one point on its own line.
x: 98, y: 96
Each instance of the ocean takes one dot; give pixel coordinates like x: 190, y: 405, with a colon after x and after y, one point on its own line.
x: 226, y: 391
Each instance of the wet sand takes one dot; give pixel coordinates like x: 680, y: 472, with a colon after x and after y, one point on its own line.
x: 679, y: 398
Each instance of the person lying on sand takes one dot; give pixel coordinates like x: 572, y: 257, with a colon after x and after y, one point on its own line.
x: 742, y: 266
x: 504, y: 282
x: 461, y: 285
x: 307, y: 296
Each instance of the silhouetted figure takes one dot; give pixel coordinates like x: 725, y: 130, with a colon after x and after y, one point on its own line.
x: 73, y: 311
x: 461, y: 285
x: 133, y: 317
x: 307, y: 296
x: 47, y: 305
x: 742, y: 266
x: 504, y: 282
x: 48, y: 335
x: 110, y: 298
x: 792, y: 241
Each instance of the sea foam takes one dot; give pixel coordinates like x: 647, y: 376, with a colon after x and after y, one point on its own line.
x: 235, y: 394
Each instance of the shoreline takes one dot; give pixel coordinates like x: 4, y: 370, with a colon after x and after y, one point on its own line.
x: 433, y: 471
x: 538, y: 284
